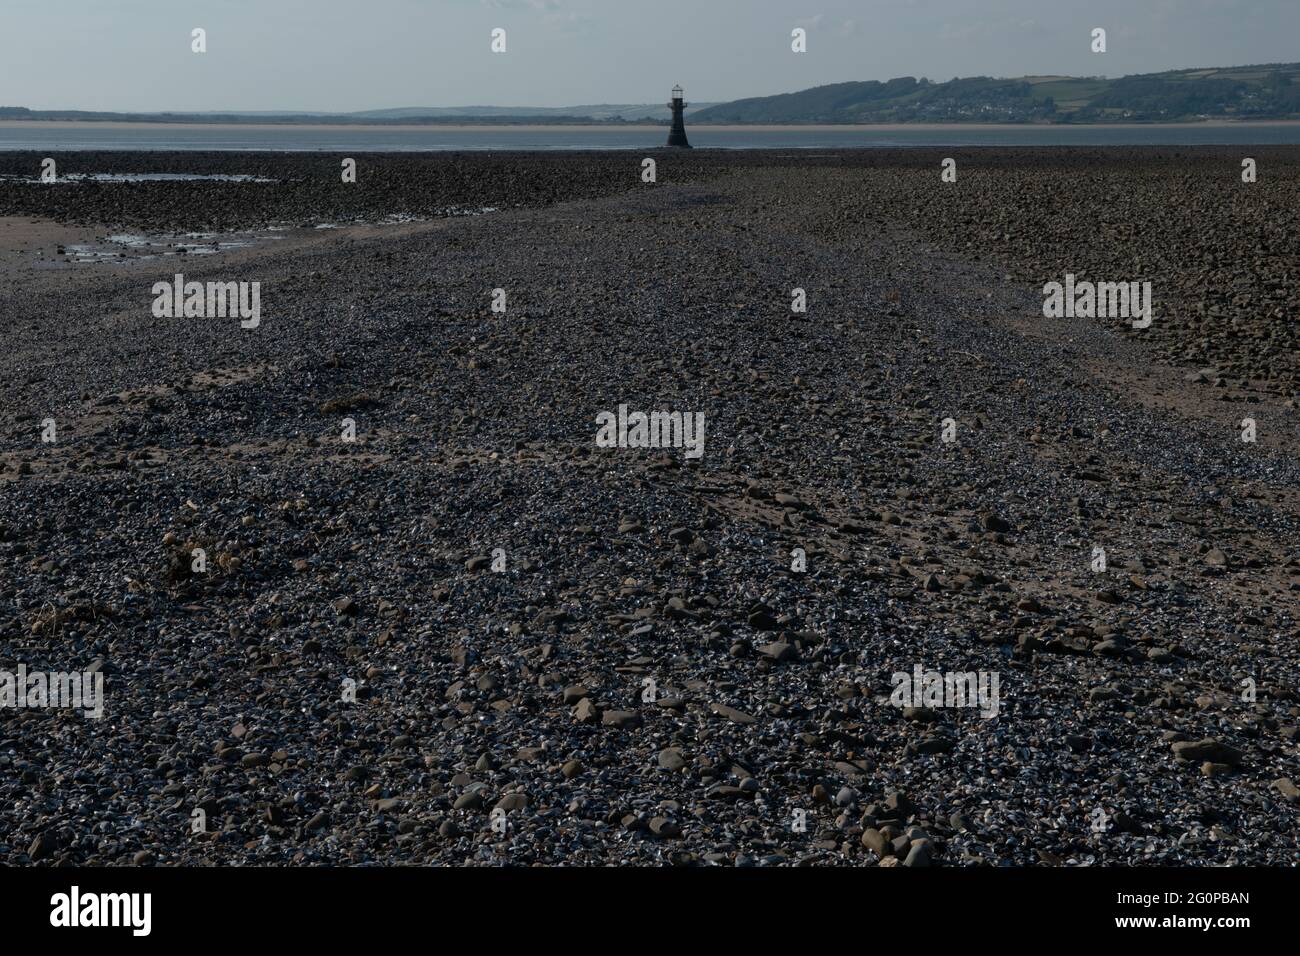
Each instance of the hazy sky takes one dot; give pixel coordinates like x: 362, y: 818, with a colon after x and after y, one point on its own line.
x: 338, y: 55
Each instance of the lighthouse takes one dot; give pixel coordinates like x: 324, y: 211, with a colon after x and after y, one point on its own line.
x: 677, y: 135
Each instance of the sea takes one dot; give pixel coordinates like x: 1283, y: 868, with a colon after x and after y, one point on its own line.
x: 30, y: 135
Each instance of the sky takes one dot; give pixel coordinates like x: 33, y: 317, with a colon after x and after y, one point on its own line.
x: 340, y: 56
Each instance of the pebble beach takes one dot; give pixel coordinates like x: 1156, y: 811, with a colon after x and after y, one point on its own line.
x: 460, y: 630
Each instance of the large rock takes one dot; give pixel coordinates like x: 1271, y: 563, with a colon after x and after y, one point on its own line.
x: 1208, y: 750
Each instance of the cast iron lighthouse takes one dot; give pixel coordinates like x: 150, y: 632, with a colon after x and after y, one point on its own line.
x: 677, y: 135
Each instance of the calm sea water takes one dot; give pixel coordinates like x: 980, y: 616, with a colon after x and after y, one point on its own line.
x: 106, y: 136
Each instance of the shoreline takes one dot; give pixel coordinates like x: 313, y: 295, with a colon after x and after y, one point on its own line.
x: 637, y: 127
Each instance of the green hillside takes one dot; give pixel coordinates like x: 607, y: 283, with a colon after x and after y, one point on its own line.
x: 1248, y: 92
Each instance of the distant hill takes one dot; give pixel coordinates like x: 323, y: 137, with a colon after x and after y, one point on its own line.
x: 1271, y: 91
x: 637, y: 112
x: 419, y: 115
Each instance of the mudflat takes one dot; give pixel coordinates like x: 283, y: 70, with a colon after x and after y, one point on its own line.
x: 364, y: 586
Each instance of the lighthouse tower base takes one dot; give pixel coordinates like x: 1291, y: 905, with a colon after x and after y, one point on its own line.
x: 677, y: 135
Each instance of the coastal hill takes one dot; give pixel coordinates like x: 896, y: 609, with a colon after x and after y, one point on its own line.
x: 1248, y: 92
x: 411, y: 115
x: 1271, y: 91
